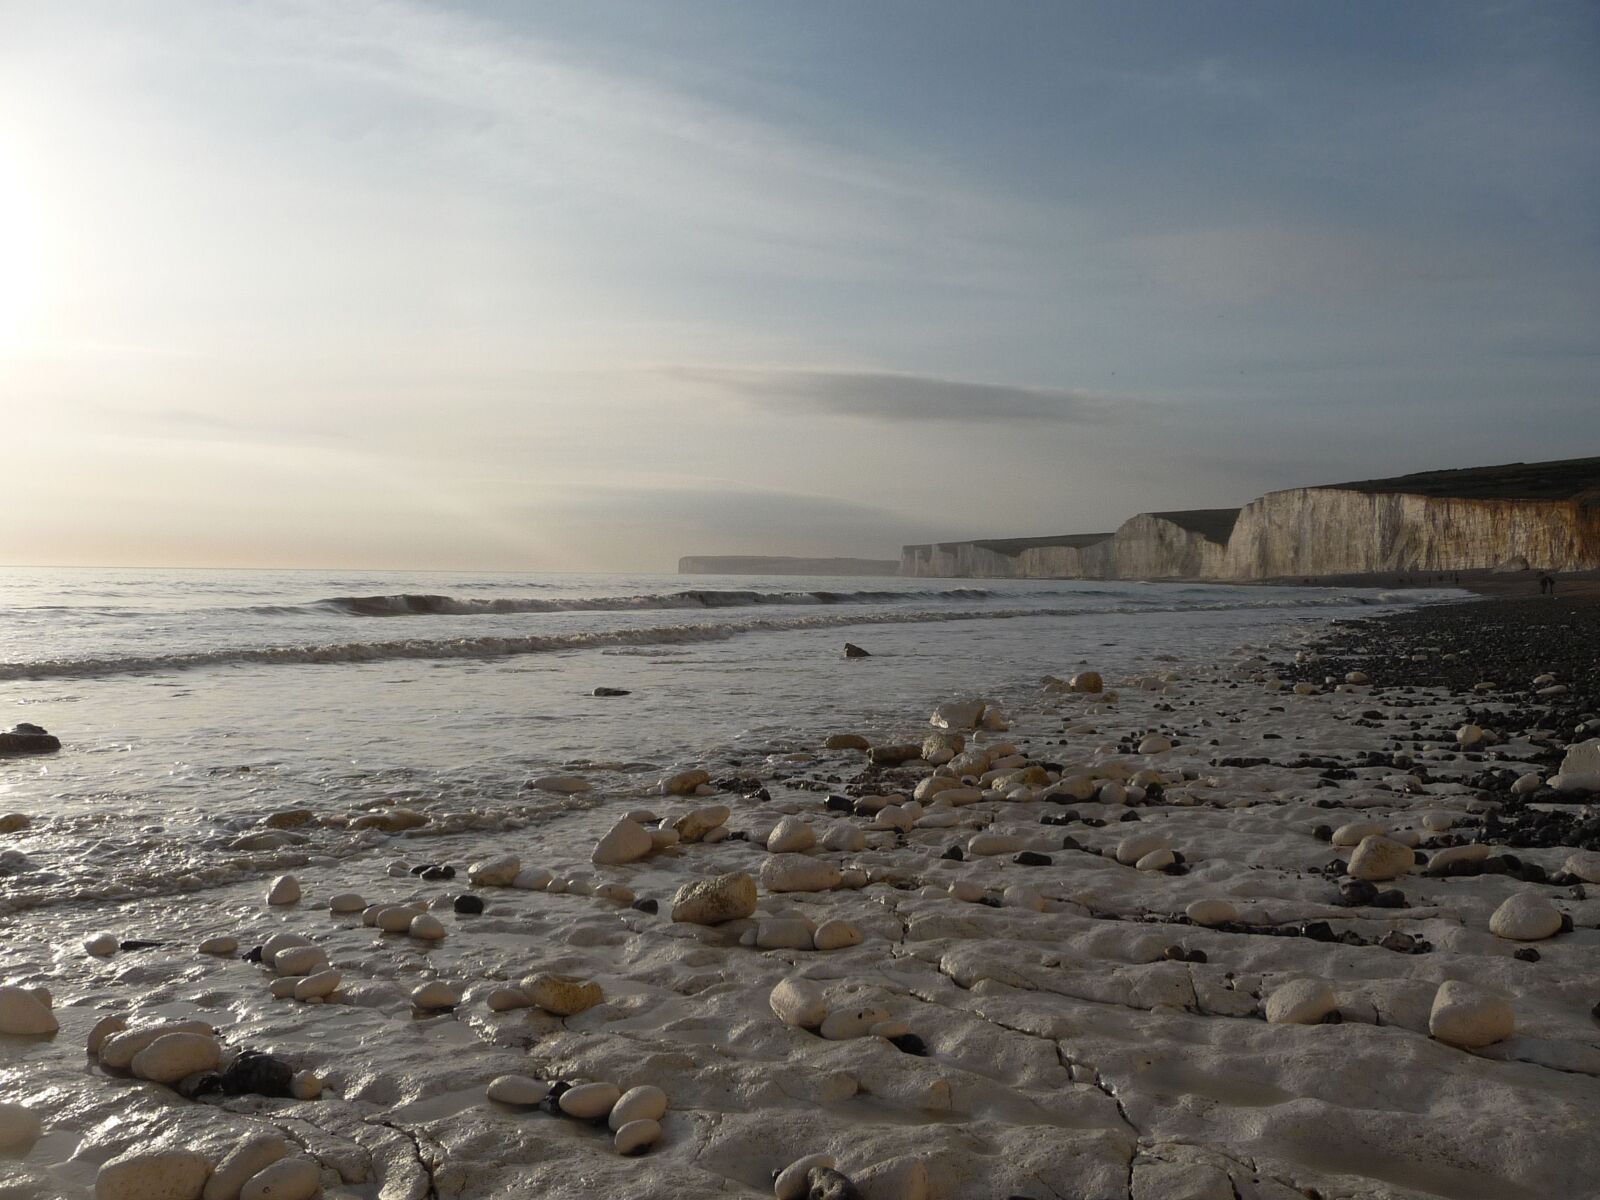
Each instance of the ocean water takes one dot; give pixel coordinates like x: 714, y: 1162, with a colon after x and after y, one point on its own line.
x: 190, y: 703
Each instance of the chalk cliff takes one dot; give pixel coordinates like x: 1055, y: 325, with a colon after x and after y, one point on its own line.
x: 1547, y: 514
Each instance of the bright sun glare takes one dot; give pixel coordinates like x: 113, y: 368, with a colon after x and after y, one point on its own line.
x: 21, y: 233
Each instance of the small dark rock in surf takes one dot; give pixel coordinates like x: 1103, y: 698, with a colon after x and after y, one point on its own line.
x: 851, y: 650
x: 611, y: 691
x: 468, y: 904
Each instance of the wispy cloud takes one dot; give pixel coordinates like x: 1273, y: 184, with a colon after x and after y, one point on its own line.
x: 893, y: 397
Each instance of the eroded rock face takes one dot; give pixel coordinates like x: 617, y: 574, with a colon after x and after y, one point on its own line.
x: 1580, y: 767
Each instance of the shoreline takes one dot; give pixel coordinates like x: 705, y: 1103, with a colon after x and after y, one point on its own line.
x: 1108, y: 1045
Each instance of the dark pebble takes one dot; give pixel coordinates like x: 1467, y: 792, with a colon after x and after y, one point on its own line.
x: 1526, y: 954
x: 469, y: 904
x: 1317, y: 931
x: 910, y: 1043
x: 137, y: 944
x: 1030, y: 858
x: 954, y: 854
x: 646, y: 905
x: 256, y: 1074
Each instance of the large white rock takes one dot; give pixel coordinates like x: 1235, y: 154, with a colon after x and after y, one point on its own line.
x: 23, y: 1014
x: 495, y: 872
x: 118, y: 1050
x: 1378, y: 858
x: 715, y: 900
x: 626, y: 842
x: 636, y: 1137
x: 1585, y: 864
x: 844, y: 836
x: 1467, y: 1015
x: 958, y: 714
x: 643, y: 1103
x: 1526, y: 917
x: 297, y: 1178
x: 693, y: 826
x: 1580, y: 767
x: 101, y: 945
x: 797, y: 873
x: 851, y: 1023
x: 835, y: 935
x: 684, y: 783
x: 589, y: 1101
x: 242, y: 1163
x: 435, y: 995
x: 780, y: 934
x: 153, y: 1175
x: 560, y: 785
x: 169, y: 1058
x: 1300, y: 1002
x: 299, y: 960
x: 1352, y: 833
x: 522, y: 1091
x: 790, y: 836
x: 1135, y: 846
x: 798, y: 1002
x: 319, y: 986
x: 285, y: 889
x: 19, y: 1127
x: 990, y: 843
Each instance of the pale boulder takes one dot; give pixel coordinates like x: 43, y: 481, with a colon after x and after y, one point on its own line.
x: 790, y: 836
x: 1585, y: 864
x: 1300, y: 1002
x: 297, y: 1178
x: 243, y: 1163
x: 1467, y: 1015
x: 285, y: 889
x: 1379, y: 858
x: 153, y: 1175
x: 627, y: 842
x: 1526, y: 917
x: 798, y: 1002
x: 1211, y: 912
x: 564, y: 995
x: 1580, y: 767
x: 23, y: 1014
x: 643, y: 1103
x: 797, y: 873
x: 20, y: 1128
x: 589, y: 1101
x: 495, y: 872
x: 175, y: 1055
x: 835, y: 935
x: 715, y: 900
x: 958, y: 715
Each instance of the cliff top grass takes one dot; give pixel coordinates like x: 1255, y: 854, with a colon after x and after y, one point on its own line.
x: 1564, y: 479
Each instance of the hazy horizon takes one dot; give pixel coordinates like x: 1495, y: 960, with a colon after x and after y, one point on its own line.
x: 412, y: 286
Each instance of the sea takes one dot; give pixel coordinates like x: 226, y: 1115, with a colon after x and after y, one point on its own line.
x: 190, y: 703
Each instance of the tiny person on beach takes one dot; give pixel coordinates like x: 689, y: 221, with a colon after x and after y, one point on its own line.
x: 1547, y: 584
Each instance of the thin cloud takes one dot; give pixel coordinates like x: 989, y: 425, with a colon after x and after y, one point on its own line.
x: 892, y: 397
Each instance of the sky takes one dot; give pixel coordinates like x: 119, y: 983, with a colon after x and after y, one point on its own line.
x: 393, y: 284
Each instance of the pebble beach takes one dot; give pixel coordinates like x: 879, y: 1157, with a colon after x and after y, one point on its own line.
x: 1303, y: 917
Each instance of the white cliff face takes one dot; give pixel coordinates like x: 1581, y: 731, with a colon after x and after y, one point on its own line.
x: 1304, y: 531
x: 1332, y: 531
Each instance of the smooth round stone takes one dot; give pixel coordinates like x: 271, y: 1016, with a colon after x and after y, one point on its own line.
x: 1468, y: 735
x: 1439, y: 862
x: 23, y: 1014
x: 835, y: 935
x: 242, y: 1163
x: 1300, y: 1002
x: 102, y: 945
x: 279, y: 942
x: 300, y: 960
x: 153, y: 1175
x: 505, y: 999
x: 643, y: 1103
x: 1437, y: 822
x: 1470, y: 1016
x: 1156, y: 860
x: 1379, y: 858
x: 1585, y: 864
x: 285, y: 889
x: 627, y: 841
x: 615, y: 893
x: 426, y: 928
x: 797, y: 873
x: 320, y: 985
x: 118, y: 1050
x: 1352, y: 833
x: 890, y: 1029
x: 967, y: 890
x: 522, y: 1091
x: 783, y: 935
x: 495, y: 872
x: 849, y: 1023
x: 1526, y: 917
x: 637, y: 1136
x: 104, y: 1028
x: 297, y: 1178
x: 1155, y: 744
x: 1211, y: 912
x: 844, y: 837
x: 987, y: 843
x: 305, y: 1085
x: 222, y: 944
x: 790, y: 836
x: 434, y: 995
x: 589, y: 1101
x: 396, y: 919
x: 346, y: 902
x: 283, y: 989
x: 14, y: 822
x: 531, y: 879
x: 20, y: 1127
x: 1135, y: 846
x: 715, y: 900
x: 1531, y: 782
x: 1017, y: 896
x: 563, y: 995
